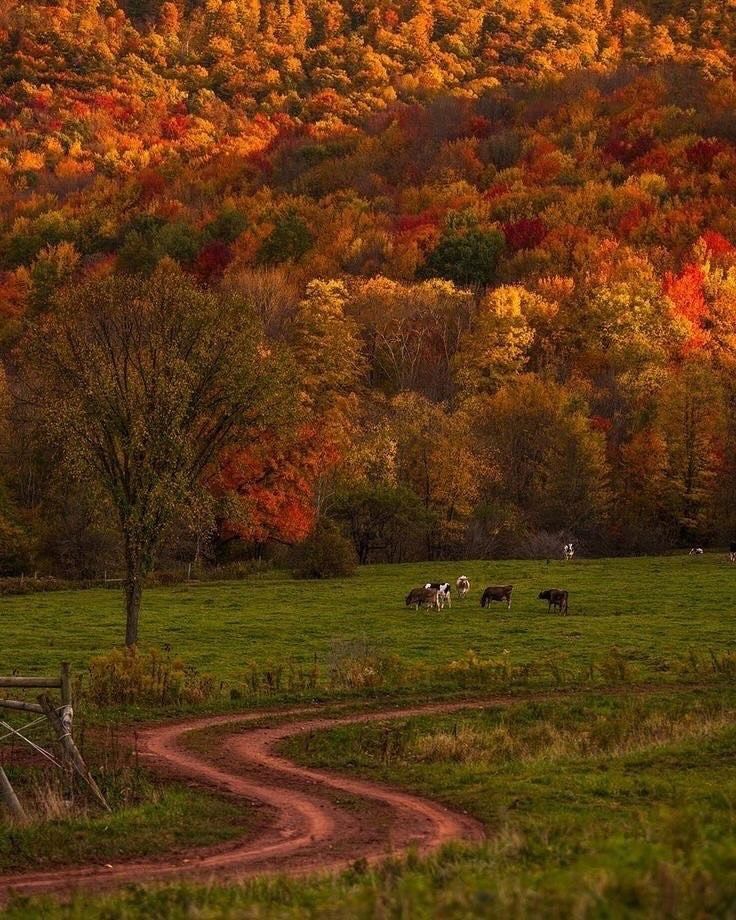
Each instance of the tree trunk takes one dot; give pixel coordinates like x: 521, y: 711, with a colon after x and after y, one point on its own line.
x: 133, y: 595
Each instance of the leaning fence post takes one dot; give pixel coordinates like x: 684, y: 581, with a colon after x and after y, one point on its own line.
x: 62, y: 727
x: 10, y: 798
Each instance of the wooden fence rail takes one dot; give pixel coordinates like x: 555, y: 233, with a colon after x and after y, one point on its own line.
x: 20, y: 705
x: 46, y: 682
x: 59, y: 719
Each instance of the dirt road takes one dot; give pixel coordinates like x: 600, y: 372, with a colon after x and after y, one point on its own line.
x: 312, y: 820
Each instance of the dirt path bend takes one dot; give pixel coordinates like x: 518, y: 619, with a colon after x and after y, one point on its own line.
x: 315, y: 820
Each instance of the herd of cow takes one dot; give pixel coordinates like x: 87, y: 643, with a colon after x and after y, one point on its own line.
x: 437, y: 594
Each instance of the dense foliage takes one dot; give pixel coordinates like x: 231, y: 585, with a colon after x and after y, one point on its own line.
x: 497, y: 238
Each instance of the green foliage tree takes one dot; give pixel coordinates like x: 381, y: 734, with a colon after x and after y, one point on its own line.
x: 547, y: 460
x: 380, y: 518
x: 692, y: 419
x: 469, y: 258
x: 289, y: 240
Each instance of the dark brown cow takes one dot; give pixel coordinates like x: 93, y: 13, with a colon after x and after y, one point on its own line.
x: 498, y: 593
x: 555, y: 597
x: 423, y: 597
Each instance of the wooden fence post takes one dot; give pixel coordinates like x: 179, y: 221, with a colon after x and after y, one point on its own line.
x: 69, y: 748
x: 66, y: 686
x: 10, y: 798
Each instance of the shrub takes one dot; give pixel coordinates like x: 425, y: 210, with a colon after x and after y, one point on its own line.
x: 325, y: 554
x: 356, y: 664
x: 129, y: 676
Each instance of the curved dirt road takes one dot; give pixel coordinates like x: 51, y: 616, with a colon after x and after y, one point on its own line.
x: 314, y: 820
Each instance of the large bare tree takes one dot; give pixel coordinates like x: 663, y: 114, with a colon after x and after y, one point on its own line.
x: 141, y: 382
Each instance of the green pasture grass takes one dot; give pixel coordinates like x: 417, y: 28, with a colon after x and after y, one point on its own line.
x: 597, y: 806
x: 602, y: 805
x: 176, y: 818
x: 650, y: 607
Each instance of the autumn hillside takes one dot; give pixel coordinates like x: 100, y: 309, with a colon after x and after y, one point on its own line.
x: 494, y: 241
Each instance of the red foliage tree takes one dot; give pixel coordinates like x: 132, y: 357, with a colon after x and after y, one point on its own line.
x: 275, y: 484
x: 526, y: 233
x: 212, y: 261
x: 702, y: 153
x: 687, y: 293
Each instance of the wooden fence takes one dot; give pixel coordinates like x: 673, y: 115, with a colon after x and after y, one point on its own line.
x: 59, y: 715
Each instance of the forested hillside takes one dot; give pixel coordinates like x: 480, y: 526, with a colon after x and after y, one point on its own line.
x: 496, y: 240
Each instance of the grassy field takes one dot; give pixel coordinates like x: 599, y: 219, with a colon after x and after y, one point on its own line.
x: 171, y: 819
x: 603, y: 806
x: 599, y: 804
x: 650, y: 608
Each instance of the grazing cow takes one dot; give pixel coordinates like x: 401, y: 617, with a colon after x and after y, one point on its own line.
x: 462, y: 585
x: 499, y: 593
x: 568, y: 551
x: 423, y: 597
x: 443, y: 591
x: 732, y: 551
x: 555, y: 597
x: 696, y: 551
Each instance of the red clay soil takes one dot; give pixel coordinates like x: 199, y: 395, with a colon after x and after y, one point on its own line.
x: 315, y: 820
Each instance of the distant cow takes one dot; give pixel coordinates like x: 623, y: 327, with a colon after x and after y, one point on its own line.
x: 555, y: 597
x: 423, y: 597
x: 732, y: 552
x: 568, y: 551
x: 443, y: 591
x: 498, y: 593
x: 462, y: 585
x: 696, y: 551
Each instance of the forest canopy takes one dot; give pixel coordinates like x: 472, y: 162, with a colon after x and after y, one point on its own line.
x: 495, y: 241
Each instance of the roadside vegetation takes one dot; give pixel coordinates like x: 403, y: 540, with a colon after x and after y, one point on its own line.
x: 601, y: 805
x: 163, y: 820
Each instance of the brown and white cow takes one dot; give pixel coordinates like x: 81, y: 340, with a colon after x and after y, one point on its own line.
x: 462, y: 585
x: 423, y: 597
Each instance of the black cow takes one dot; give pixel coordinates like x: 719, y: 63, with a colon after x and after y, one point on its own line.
x: 499, y: 593
x: 555, y: 597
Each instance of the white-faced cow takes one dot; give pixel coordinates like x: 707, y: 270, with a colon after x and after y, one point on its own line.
x: 463, y: 585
